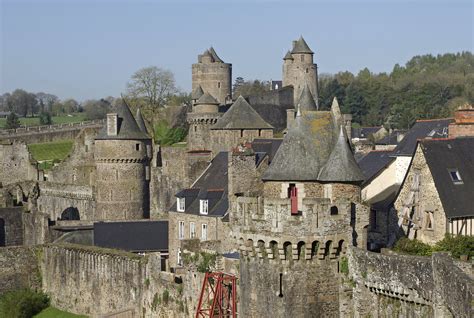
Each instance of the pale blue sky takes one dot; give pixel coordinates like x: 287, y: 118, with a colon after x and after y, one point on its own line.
x: 89, y: 49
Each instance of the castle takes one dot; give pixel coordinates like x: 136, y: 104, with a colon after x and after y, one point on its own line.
x: 291, y: 207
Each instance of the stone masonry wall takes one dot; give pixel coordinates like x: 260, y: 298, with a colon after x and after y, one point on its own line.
x: 18, y: 269
x: 408, y: 286
x: 16, y: 164
x: 98, y: 282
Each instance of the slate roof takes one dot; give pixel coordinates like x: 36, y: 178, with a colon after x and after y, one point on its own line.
x: 133, y: 236
x: 373, y: 163
x: 341, y: 165
x: 288, y: 56
x: 306, y: 101
x: 127, y: 126
x: 241, y: 116
x: 212, y: 185
x: 364, y: 132
x: 197, y: 92
x: 267, y: 146
x: 141, y: 122
x: 435, y: 128
x: 207, y: 99
x: 301, y: 47
x: 391, y: 138
x: 215, y: 56
x: 442, y: 155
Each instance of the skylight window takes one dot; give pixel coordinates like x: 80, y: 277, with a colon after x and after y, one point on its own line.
x: 455, y: 176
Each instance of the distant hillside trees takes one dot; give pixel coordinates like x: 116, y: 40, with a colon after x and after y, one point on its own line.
x: 247, y: 88
x: 426, y: 87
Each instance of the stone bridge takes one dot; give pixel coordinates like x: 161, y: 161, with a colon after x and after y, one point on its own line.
x: 37, y: 134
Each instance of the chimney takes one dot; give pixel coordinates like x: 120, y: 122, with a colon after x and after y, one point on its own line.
x: 112, y: 124
x: 294, y: 44
x: 290, y: 118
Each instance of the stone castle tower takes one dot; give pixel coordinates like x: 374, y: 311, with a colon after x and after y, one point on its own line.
x: 122, y: 156
x: 293, y: 229
x: 299, y: 70
x: 213, y: 75
x: 205, y: 114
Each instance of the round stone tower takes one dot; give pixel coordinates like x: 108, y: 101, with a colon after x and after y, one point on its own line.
x: 205, y: 114
x: 299, y: 70
x: 122, y: 154
x: 213, y: 75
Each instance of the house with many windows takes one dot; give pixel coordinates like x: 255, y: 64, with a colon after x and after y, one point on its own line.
x: 201, y: 211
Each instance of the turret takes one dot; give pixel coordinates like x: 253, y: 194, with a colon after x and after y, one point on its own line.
x: 299, y: 70
x: 213, y: 75
x: 122, y: 154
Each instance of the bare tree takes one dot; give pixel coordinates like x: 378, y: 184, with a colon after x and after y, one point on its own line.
x: 153, y: 84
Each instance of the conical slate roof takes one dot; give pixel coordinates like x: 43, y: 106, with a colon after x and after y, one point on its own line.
x: 197, y: 92
x: 141, y: 122
x: 207, y: 99
x: 288, y: 56
x: 336, y: 110
x: 305, y: 148
x: 306, y: 101
x: 301, y: 47
x: 215, y: 56
x: 127, y: 126
x: 341, y: 165
x: 241, y: 116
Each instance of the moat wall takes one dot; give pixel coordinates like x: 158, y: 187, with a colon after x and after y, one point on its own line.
x: 96, y: 282
x: 408, y: 286
x: 18, y: 269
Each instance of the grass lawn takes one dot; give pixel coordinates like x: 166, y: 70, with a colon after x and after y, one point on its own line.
x: 34, y: 121
x: 52, y: 312
x: 51, y: 151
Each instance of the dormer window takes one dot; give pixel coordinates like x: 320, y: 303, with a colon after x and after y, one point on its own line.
x: 180, y: 204
x: 455, y: 176
x: 203, y: 206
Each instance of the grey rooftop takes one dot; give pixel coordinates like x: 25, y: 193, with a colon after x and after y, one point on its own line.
x: 241, y: 116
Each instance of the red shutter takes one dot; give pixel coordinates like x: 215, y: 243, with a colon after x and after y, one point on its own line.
x: 294, y: 200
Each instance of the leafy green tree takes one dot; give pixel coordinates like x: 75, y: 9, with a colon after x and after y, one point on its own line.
x: 153, y: 84
x: 12, y: 121
x: 45, y: 118
x: 248, y: 88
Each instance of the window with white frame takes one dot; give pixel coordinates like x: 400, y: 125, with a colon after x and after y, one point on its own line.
x: 192, y: 230
x: 455, y: 176
x: 181, y: 230
x: 203, y: 207
x: 204, y: 232
x: 180, y: 259
x: 180, y: 204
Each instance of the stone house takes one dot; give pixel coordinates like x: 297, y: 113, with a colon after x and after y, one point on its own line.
x: 435, y: 198
x: 201, y: 211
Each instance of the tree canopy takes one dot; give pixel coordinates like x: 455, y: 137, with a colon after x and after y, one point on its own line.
x: 426, y: 87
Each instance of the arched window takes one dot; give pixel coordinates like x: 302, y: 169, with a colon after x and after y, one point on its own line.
x: 70, y: 214
x: 301, y: 250
x: 288, y: 250
x: 334, y: 210
x: 314, y: 249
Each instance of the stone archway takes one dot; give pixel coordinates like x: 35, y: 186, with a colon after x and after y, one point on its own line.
x: 70, y: 214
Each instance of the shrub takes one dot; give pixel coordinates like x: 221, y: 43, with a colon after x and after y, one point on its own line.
x: 166, y: 296
x: 457, y: 245
x: 344, y: 266
x: 208, y: 260
x: 12, y: 121
x: 23, y: 303
x: 45, y: 118
x: 413, y: 247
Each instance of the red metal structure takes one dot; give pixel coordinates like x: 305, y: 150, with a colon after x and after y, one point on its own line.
x: 218, y: 296
x: 293, y: 199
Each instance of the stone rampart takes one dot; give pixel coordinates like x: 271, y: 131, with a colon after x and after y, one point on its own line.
x: 99, y: 282
x: 18, y: 269
x: 37, y: 134
x: 402, y: 285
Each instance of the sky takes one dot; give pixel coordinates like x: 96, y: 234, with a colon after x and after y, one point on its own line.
x: 89, y: 49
